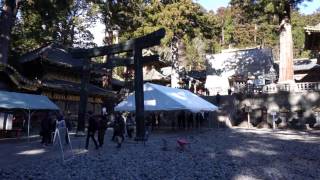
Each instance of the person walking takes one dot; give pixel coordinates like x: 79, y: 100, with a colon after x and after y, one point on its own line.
x: 118, y: 128
x: 102, y: 127
x: 130, y: 125
x: 92, y: 128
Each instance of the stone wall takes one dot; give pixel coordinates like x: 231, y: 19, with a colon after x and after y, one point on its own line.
x: 291, y: 109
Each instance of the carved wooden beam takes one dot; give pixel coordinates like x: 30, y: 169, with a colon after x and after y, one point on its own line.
x: 146, y: 41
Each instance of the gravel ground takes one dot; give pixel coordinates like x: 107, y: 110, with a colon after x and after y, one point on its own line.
x: 211, y: 154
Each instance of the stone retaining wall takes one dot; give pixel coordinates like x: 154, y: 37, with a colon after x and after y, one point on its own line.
x: 291, y: 109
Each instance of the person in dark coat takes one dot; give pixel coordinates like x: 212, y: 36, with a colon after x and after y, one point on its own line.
x: 119, y: 128
x: 46, y: 129
x: 218, y: 98
x: 68, y: 126
x: 102, y: 127
x: 130, y: 125
x: 92, y: 128
x: 190, y: 120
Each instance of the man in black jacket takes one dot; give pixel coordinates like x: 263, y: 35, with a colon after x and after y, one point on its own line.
x: 102, y: 127
x: 119, y: 128
x: 92, y: 128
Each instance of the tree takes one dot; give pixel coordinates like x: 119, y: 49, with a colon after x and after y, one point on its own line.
x: 267, y: 10
x: 41, y: 22
x: 183, y: 20
x: 7, y: 19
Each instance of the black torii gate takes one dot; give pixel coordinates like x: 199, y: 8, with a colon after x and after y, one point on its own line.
x: 135, y: 46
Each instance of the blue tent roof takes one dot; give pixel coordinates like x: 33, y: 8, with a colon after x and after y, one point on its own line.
x: 12, y: 100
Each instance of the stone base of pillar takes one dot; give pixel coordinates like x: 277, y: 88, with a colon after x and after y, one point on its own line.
x: 283, y: 124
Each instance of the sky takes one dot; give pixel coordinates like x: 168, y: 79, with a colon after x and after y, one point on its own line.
x: 305, y: 8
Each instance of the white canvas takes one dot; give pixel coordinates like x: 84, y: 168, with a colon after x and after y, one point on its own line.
x: 162, y: 98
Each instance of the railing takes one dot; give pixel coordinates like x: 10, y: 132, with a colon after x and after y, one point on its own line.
x: 297, y: 87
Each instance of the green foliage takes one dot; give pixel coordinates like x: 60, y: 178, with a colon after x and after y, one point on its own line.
x: 188, y: 21
x: 267, y: 14
x: 244, y: 23
x: 44, y: 21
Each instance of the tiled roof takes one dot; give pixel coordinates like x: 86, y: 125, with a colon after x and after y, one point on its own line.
x: 53, y: 54
x: 315, y: 28
x: 75, y: 87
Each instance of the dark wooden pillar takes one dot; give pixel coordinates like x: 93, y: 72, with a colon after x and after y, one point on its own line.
x: 139, y: 97
x: 85, y: 77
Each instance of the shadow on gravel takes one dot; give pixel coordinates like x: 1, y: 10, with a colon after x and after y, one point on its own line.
x: 246, y: 155
x: 211, y: 154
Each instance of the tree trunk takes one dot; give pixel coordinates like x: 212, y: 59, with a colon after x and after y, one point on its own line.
x: 286, y: 53
x: 175, y: 63
x: 255, y: 33
x: 222, y: 35
x: 7, y: 18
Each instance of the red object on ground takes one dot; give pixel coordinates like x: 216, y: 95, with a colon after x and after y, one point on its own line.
x: 182, y: 143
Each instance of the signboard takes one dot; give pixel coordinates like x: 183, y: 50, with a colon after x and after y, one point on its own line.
x: 61, y: 135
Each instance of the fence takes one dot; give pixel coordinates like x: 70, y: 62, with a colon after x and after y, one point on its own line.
x: 297, y: 87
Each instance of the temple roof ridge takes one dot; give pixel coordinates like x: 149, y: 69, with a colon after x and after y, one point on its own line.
x: 315, y: 28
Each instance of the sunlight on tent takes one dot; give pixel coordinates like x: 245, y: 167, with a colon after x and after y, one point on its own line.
x: 151, y: 102
x: 179, y: 95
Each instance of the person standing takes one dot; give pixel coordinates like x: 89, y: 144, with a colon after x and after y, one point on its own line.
x: 130, y: 125
x: 118, y: 128
x: 92, y: 128
x: 218, y: 98
x: 45, y: 129
x: 102, y: 127
x: 68, y: 126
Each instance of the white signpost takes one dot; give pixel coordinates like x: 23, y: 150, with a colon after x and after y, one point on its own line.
x: 60, y: 133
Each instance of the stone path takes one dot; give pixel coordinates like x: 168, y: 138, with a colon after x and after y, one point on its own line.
x: 212, y: 154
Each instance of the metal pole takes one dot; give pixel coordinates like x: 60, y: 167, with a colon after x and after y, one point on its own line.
x: 29, y: 117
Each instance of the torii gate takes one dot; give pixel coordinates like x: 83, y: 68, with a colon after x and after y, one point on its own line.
x: 135, y: 46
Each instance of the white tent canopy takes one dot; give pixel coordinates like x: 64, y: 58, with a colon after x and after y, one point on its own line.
x: 29, y: 102
x: 12, y: 100
x: 162, y: 98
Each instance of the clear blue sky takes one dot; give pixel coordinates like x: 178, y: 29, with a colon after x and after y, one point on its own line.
x: 306, y: 8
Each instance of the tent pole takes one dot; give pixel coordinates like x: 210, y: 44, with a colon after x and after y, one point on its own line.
x: 29, y: 116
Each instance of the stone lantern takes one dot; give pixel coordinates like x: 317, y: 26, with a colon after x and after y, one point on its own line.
x: 283, y: 115
x: 317, y: 111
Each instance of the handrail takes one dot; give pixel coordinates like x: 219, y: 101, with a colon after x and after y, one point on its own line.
x: 297, y: 87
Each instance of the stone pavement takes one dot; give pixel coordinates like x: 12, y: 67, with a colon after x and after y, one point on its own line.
x: 213, y: 154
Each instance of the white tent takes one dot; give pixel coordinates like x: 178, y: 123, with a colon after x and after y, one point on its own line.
x: 162, y: 98
x: 28, y: 102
